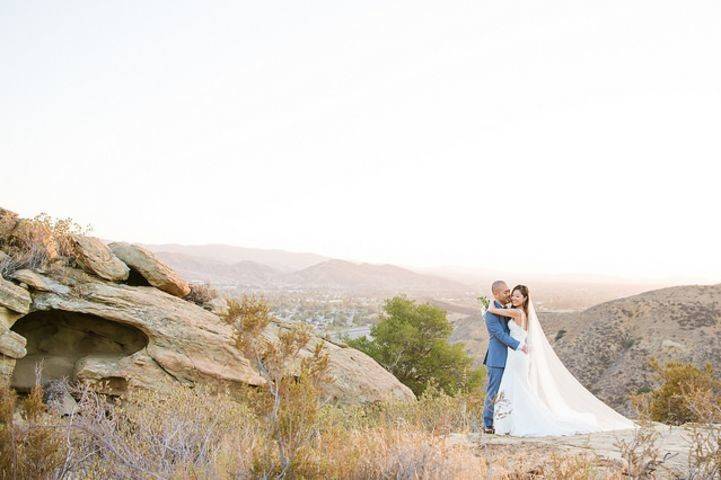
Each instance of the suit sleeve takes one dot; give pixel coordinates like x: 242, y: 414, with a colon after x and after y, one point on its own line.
x: 495, y: 329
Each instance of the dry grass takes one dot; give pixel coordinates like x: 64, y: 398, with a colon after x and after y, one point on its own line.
x: 34, y: 257
x: 198, y: 434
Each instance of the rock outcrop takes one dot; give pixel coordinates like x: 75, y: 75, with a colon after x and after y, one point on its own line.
x: 673, y: 445
x: 157, y: 273
x: 84, y: 325
x: 12, y: 344
x: 96, y: 258
x: 14, y: 297
x: 39, y: 282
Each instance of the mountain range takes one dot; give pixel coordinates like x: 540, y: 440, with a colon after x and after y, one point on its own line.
x: 275, y: 269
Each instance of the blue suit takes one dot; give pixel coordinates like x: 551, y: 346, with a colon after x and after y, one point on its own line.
x: 499, y: 341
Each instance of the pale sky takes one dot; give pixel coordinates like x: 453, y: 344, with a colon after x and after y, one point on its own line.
x: 587, y: 132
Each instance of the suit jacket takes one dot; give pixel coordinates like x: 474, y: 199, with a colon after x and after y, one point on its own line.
x: 499, y: 339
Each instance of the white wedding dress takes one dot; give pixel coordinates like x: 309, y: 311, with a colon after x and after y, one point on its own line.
x: 538, y: 396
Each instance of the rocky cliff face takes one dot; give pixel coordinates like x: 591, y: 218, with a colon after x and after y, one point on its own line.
x: 114, y: 316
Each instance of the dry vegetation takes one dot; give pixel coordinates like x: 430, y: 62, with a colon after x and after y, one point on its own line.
x: 37, y: 242
x: 286, y: 431
x: 201, y: 293
x: 210, y: 436
x: 682, y: 385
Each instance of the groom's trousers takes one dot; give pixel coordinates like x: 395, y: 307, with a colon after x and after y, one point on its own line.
x: 494, y: 382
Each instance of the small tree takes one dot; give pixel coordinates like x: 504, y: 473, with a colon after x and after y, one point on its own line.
x: 411, y: 341
x: 292, y: 380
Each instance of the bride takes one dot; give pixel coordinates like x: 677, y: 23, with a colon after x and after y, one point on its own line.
x: 538, y: 396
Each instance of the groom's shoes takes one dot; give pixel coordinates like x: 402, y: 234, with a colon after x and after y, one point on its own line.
x: 489, y: 430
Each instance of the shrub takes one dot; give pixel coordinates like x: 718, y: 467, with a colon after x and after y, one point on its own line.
x: 670, y: 403
x: 560, y: 334
x: 292, y: 383
x: 640, y: 454
x: 411, y: 342
x: 201, y: 293
x: 35, y: 257
x: 37, y: 241
x: 705, y: 435
x: 29, y: 448
x: 186, y: 433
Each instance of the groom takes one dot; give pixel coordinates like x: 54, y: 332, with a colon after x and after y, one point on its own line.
x: 499, y: 340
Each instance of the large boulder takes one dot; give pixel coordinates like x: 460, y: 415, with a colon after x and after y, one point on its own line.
x: 96, y: 258
x: 118, y: 337
x: 14, y: 297
x: 357, y: 378
x: 40, y: 282
x: 155, y: 272
x: 12, y: 344
x: 8, y: 317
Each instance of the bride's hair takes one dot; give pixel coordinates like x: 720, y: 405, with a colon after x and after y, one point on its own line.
x: 524, y: 291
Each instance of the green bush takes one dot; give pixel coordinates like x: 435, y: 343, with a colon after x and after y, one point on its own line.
x: 672, y: 402
x: 411, y: 341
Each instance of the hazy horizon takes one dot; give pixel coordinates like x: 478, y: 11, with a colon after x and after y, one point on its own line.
x: 478, y: 270
x: 555, y: 138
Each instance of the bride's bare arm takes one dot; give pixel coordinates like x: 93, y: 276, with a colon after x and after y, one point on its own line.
x: 516, y: 314
x: 513, y: 313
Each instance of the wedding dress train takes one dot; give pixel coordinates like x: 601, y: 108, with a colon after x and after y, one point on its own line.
x: 538, y: 396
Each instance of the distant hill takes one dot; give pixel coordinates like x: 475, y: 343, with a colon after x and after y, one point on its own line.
x: 197, y: 269
x: 365, y: 277
x: 277, y: 259
x: 608, y: 346
x: 328, y: 275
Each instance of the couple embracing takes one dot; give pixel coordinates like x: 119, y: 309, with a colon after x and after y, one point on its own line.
x: 530, y: 392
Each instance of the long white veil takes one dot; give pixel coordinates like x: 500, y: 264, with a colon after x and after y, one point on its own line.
x: 559, y: 389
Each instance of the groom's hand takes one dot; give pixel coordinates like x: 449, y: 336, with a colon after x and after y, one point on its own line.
x: 524, y: 348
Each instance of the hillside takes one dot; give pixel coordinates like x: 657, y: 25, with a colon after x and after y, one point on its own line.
x: 608, y: 346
